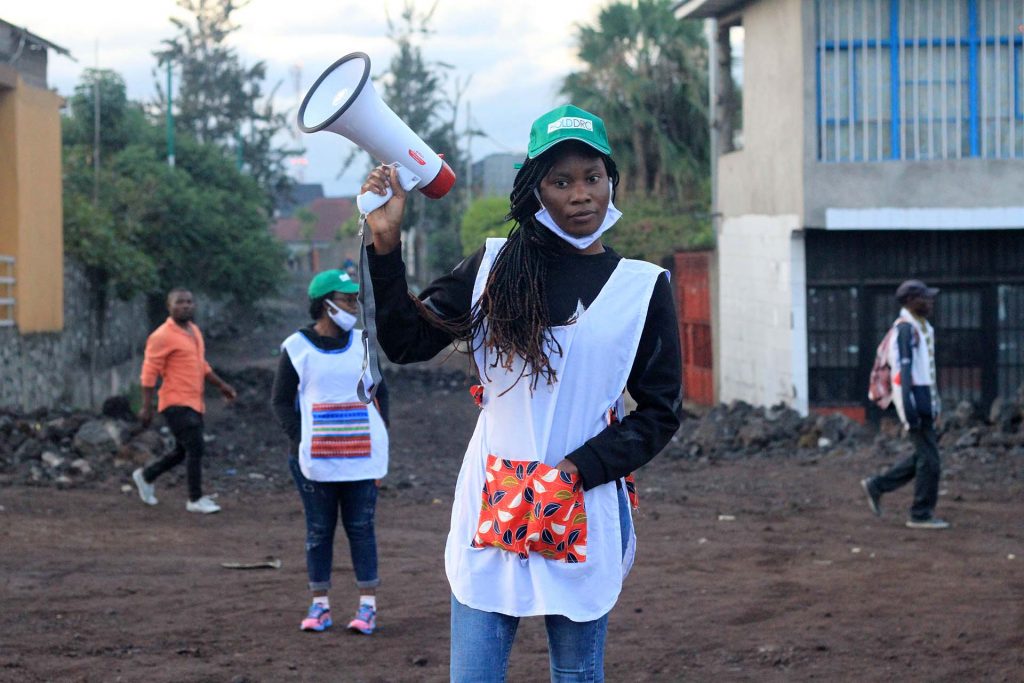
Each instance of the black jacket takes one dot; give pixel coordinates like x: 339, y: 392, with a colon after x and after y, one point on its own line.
x: 655, y: 381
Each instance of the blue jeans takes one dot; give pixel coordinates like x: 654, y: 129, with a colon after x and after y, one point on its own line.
x: 482, y: 641
x: 322, y: 500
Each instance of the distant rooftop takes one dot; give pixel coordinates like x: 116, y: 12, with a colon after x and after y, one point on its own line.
x: 301, y: 194
x: 706, y: 9
x: 330, y: 213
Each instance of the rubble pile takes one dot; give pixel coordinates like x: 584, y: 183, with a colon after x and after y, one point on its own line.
x: 740, y: 430
x: 69, y: 447
x: 246, y: 449
x: 967, y: 432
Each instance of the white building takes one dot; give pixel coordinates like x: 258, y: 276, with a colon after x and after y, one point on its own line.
x: 861, y: 143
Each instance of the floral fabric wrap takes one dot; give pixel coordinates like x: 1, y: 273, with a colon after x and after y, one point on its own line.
x: 529, y: 506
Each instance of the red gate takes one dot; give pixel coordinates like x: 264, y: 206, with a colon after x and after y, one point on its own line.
x: 693, y: 296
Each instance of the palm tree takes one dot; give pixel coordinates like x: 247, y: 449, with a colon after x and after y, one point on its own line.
x: 645, y: 76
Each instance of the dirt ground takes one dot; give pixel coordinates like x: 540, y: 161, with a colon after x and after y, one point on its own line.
x: 749, y: 569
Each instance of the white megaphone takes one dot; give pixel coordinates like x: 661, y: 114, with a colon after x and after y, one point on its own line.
x: 343, y: 101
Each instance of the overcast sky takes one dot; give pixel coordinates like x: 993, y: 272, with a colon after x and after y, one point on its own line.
x: 516, y: 52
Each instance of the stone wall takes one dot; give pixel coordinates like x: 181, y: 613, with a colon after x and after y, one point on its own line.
x: 51, y: 369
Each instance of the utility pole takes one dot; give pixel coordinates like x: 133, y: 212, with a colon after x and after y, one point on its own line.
x: 96, y: 294
x: 170, y: 119
x: 96, y: 129
x: 469, y: 152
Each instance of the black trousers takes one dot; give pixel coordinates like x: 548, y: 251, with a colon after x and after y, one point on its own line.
x: 924, y: 467
x: 187, y: 426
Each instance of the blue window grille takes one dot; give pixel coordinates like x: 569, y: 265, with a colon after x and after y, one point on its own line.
x: 919, y: 79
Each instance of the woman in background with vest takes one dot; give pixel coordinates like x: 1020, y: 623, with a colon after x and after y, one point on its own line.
x: 339, y: 445
x: 559, y: 326
x: 915, y: 393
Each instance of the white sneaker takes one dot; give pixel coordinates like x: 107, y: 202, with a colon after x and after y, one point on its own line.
x: 145, y: 488
x: 204, y: 505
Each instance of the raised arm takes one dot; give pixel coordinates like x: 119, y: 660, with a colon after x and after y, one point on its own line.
x: 403, y: 329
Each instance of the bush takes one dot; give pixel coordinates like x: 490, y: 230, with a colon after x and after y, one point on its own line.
x: 483, y: 218
x: 650, y: 230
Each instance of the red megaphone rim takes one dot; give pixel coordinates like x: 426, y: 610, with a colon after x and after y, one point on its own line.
x: 439, y: 186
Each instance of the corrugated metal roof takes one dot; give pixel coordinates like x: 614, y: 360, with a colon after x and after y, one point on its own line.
x: 34, y: 39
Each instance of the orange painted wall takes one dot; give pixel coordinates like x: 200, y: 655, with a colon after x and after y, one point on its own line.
x: 31, y: 210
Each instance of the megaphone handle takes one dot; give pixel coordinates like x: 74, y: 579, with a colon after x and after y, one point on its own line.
x: 371, y: 201
x: 367, y: 202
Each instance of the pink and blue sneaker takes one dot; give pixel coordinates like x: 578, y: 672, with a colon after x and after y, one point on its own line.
x: 365, y: 621
x: 318, y: 618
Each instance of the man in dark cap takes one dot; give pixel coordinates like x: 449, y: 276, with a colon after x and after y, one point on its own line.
x: 912, y: 359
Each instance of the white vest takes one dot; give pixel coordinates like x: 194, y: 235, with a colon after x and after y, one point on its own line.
x: 922, y: 364
x: 343, y: 439
x: 597, y: 356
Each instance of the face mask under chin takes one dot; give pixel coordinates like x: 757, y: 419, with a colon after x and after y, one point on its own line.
x: 611, y: 217
x: 343, y: 319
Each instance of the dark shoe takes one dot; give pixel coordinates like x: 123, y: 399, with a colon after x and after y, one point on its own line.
x: 873, y: 496
x: 930, y: 523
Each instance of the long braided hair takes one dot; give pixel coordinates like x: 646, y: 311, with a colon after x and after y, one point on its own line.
x: 511, y: 318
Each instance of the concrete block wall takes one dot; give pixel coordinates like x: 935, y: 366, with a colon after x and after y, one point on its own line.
x: 761, y: 346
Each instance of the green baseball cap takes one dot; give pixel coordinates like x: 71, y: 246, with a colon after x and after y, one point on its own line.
x: 329, y: 281
x: 567, y: 123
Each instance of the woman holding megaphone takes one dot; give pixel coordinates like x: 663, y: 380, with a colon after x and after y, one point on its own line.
x: 559, y: 326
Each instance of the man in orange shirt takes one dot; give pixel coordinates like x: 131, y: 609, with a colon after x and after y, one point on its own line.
x: 175, y: 351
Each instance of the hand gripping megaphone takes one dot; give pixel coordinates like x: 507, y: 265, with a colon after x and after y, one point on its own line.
x: 344, y: 101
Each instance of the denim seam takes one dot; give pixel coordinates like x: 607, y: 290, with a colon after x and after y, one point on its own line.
x: 591, y: 673
x: 508, y: 650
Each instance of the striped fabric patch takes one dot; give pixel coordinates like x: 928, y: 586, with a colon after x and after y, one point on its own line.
x: 340, y: 430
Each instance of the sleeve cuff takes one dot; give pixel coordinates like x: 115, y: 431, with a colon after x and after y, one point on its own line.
x: 386, y: 266
x: 590, y: 469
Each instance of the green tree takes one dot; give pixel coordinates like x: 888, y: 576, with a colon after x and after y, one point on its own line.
x: 220, y: 99
x: 102, y: 241
x: 206, y: 221
x: 645, y: 76
x: 349, y: 227
x: 419, y: 92
x: 150, y: 227
x: 650, y: 231
x: 120, y: 122
x: 483, y: 218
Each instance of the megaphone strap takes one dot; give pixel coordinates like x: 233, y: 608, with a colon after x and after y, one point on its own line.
x: 368, y: 311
